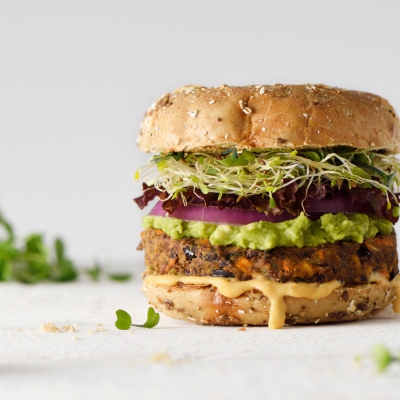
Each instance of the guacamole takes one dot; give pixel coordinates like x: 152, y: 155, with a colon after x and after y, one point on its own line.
x: 262, y: 235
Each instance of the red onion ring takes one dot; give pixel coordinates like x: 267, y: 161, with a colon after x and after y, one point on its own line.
x: 314, y: 208
x: 212, y: 214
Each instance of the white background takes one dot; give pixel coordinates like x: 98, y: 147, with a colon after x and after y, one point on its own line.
x: 77, y: 76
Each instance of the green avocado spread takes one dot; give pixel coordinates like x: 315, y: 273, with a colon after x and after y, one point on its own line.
x: 262, y: 235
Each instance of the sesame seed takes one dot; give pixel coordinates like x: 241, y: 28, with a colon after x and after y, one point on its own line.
x: 241, y: 104
x: 212, y: 101
x: 205, y: 132
x: 247, y: 110
x: 193, y: 114
x: 241, y: 311
x: 372, y: 144
x: 263, y: 128
x: 194, y: 126
x: 226, y: 136
x: 262, y: 90
x: 305, y: 115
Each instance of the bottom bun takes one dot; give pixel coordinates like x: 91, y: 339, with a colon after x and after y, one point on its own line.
x: 206, y: 305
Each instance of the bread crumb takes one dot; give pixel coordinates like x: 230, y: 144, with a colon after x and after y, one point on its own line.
x: 48, y: 328
x: 18, y: 329
x: 68, y: 328
x: 99, y: 324
x: 74, y: 338
x: 162, y: 358
x: 89, y: 332
x: 101, y: 330
x: 242, y: 329
x: 193, y: 113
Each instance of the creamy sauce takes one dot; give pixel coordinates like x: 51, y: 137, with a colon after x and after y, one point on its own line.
x: 274, y: 291
x: 395, y: 284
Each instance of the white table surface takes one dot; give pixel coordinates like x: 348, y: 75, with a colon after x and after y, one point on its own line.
x: 177, y: 359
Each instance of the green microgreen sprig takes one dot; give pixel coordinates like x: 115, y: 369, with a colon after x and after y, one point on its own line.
x: 124, y: 320
x: 382, y: 357
x: 246, y: 173
x: 30, y: 260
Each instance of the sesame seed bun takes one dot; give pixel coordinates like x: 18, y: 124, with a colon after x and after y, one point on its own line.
x: 194, y: 118
x: 205, y: 305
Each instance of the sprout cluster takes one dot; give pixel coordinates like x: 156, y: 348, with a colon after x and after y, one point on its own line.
x: 247, y: 173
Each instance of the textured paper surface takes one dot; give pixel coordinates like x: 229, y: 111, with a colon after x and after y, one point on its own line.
x: 177, y: 359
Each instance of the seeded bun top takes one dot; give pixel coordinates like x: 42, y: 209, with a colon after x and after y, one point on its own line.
x: 195, y: 118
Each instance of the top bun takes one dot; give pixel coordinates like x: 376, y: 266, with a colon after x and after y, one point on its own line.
x: 195, y: 118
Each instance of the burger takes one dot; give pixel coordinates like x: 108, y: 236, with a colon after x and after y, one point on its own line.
x: 276, y: 205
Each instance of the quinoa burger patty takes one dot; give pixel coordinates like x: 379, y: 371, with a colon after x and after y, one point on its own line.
x: 348, y: 262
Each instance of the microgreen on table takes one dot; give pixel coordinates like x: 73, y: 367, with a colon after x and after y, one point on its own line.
x: 124, y: 320
x: 382, y: 357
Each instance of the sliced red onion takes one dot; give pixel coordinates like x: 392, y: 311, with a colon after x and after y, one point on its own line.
x: 212, y: 214
x: 314, y: 208
x: 338, y: 204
